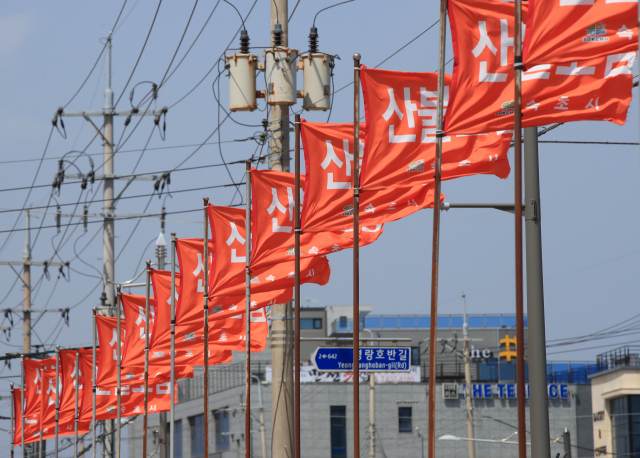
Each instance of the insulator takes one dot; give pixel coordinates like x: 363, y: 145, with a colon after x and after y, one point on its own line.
x: 244, y: 41
x: 313, y: 40
x: 277, y: 35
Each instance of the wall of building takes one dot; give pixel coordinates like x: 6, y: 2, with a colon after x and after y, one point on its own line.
x: 494, y: 418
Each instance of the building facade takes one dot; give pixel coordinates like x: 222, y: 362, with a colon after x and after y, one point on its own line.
x: 398, y: 426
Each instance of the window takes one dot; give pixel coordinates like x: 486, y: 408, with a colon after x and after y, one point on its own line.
x: 178, y: 445
x: 221, y: 418
x: 625, y: 425
x: 338, y: 431
x: 196, y: 427
x: 404, y: 419
x: 415, y: 356
x: 311, y: 323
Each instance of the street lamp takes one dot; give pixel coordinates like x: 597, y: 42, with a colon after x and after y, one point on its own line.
x: 422, y: 441
x: 451, y: 437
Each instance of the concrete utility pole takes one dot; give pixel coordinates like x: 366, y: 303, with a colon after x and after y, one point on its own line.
x: 467, y: 378
x: 538, y: 400
x: 282, y: 341
x: 26, y: 264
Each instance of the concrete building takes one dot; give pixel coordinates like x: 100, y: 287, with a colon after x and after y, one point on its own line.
x: 400, y: 399
x: 615, y: 391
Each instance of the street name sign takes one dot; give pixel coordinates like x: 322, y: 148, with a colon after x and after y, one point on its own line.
x: 378, y: 359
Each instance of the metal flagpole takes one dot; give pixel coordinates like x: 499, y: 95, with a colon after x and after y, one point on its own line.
x: 356, y: 255
x: 172, y: 415
x: 119, y: 374
x: 13, y: 430
x: 77, y: 387
x: 58, y: 386
x: 205, y: 331
x: 517, y: 152
x: 22, y: 405
x: 146, y: 362
x: 247, y: 283
x: 296, y: 301
x: 93, y: 387
x: 40, y: 455
x: 435, y: 251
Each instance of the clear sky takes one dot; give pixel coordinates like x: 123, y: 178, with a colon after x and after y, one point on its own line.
x: 590, y: 193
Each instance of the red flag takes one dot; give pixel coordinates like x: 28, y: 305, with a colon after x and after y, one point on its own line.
x: 400, y: 141
x: 228, y: 229
x: 161, y: 332
x: 48, y: 395
x: 132, y: 395
x: 482, y: 84
x: 328, y: 192
x: 133, y: 350
x: 220, y: 306
x: 17, y: 417
x: 230, y: 334
x: 272, y: 223
x: 33, y: 395
x: 566, y: 31
x: 190, y: 305
x: 68, y: 394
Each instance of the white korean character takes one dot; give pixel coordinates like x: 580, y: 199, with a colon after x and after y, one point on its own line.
x: 368, y: 354
x: 114, y: 339
x: 332, y: 156
x: 484, y: 41
x: 391, y: 354
x: 563, y: 103
x: 200, y: 269
x: 275, y: 204
x: 380, y: 354
x: 235, y: 236
x: 142, y: 318
x: 403, y: 355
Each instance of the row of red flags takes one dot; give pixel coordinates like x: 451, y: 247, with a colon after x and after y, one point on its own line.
x: 578, y: 56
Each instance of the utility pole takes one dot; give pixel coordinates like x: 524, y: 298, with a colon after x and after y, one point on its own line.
x: 538, y: 400
x: 467, y: 378
x: 108, y: 230
x: 281, y: 314
x: 161, y: 253
x: 26, y: 264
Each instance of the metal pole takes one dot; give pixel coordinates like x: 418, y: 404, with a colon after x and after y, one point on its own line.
x: 119, y: 374
x: 372, y: 415
x: 161, y: 250
x: 108, y: 230
x: 517, y: 152
x: 22, y: 405
x: 58, y: 387
x: 146, y: 362
x: 435, y: 252
x: 93, y: 387
x: 172, y: 416
x: 467, y: 378
x: 12, y: 431
x: 538, y: 400
x: 76, y: 418
x: 282, y: 333
x: 356, y: 255
x: 247, y: 342
x: 296, y: 301
x: 26, y: 278
x: 205, y: 333
x: 40, y: 454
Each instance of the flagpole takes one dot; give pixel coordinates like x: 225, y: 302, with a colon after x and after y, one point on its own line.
x: 22, y: 406
x: 42, y: 368
x: 75, y: 431
x: 119, y: 374
x: 356, y: 255
x: 57, y: 399
x: 435, y: 250
x: 146, y: 362
x: 296, y: 302
x: 172, y: 414
x: 247, y: 282
x: 93, y: 387
x: 517, y: 153
x: 205, y: 332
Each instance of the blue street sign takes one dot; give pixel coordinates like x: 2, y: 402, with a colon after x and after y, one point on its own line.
x: 377, y: 359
